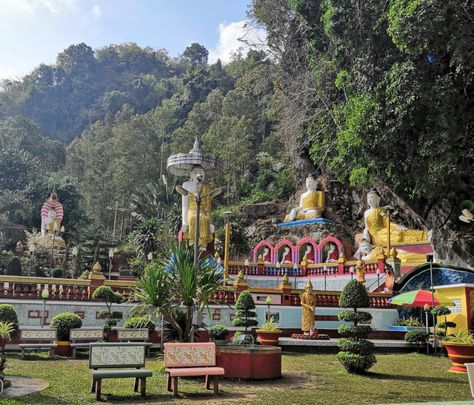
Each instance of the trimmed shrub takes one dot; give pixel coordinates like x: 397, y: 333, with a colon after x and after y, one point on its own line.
x: 245, y: 311
x: 63, y: 323
x: 8, y: 314
x: 109, y: 296
x: 14, y: 267
x: 219, y: 332
x: 419, y: 337
x: 359, y: 317
x: 137, y: 322
x: 355, y: 362
x: 354, y: 330
x: 356, y: 353
x: 360, y: 346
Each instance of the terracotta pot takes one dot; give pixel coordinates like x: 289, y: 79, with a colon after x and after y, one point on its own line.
x: 459, y: 353
x: 268, y: 338
x: 63, y: 348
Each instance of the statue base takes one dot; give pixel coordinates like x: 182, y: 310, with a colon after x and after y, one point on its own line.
x: 302, y: 222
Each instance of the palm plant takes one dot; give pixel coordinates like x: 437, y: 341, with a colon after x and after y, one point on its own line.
x: 173, y: 285
x: 6, y: 332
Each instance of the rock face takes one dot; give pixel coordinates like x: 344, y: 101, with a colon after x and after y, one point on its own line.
x: 453, y: 240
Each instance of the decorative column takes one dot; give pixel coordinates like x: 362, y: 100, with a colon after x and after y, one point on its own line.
x: 96, y: 278
x: 285, y: 288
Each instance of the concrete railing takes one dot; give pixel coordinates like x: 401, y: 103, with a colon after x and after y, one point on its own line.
x: 64, y: 289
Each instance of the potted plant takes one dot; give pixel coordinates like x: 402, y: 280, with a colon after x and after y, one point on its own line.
x: 269, y: 333
x: 407, y: 324
x: 7, y: 329
x: 460, y: 348
x: 63, y: 323
x: 218, y: 334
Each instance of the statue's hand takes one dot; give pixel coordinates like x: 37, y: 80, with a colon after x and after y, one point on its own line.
x: 184, y: 228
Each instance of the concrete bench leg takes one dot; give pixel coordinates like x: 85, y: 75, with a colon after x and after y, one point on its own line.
x: 93, y: 386
x: 215, y: 382
x: 143, y: 386
x: 207, y: 382
x: 98, y: 389
x: 175, y: 386
x: 135, y: 387
x: 22, y: 354
x: 169, y: 382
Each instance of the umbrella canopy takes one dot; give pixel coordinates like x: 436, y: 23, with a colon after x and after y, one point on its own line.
x: 419, y: 298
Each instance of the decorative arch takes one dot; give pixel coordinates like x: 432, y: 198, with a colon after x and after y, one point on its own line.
x: 263, y: 243
x: 279, y: 245
x: 308, y: 241
x: 331, y: 239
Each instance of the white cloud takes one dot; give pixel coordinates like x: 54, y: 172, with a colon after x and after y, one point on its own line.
x: 96, y: 11
x: 236, y: 37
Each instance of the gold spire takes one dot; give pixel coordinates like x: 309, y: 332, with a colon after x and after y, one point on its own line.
x: 97, y: 267
x: 309, y: 284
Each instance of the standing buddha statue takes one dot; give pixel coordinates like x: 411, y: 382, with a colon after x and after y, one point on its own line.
x: 308, y: 305
x: 189, y: 209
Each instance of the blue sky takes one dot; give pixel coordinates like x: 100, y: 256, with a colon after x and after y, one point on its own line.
x: 35, y: 31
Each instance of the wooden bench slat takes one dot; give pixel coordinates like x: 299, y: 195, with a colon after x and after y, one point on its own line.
x: 195, y: 371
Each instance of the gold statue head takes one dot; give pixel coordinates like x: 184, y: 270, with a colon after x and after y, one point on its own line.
x: 308, y: 285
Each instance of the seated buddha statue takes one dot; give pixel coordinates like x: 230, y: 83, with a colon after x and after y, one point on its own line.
x: 332, y: 255
x: 312, y: 203
x: 286, y: 256
x: 376, y: 226
x: 189, y: 209
x: 309, y: 254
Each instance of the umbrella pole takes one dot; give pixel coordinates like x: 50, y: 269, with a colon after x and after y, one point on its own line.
x: 427, y: 331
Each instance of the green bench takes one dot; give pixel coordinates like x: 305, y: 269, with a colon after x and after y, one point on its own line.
x: 121, y: 360
x: 81, y: 338
x: 37, y: 339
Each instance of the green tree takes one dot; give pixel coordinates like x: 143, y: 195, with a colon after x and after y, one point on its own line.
x: 245, y: 311
x: 356, y: 353
x: 196, y: 54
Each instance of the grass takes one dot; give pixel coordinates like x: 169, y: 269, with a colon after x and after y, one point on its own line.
x: 308, y: 379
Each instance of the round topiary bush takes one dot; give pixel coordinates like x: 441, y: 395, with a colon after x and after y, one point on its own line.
x: 356, y: 353
x: 138, y: 322
x: 416, y: 336
x: 63, y: 323
x: 218, y: 332
x: 245, y: 311
x: 14, y: 267
x: 8, y: 314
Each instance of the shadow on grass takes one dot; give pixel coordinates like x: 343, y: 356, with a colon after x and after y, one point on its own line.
x: 411, y: 378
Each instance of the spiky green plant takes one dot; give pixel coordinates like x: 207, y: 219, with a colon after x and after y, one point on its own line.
x: 169, y: 284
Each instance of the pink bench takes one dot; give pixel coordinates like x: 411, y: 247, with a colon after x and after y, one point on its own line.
x: 189, y: 360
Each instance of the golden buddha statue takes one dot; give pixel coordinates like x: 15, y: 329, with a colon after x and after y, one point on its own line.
x: 308, y: 305
x: 312, y: 203
x: 189, y: 209
x: 360, y: 271
x: 376, y: 223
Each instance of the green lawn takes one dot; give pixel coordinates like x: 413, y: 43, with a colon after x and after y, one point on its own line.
x: 308, y: 379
